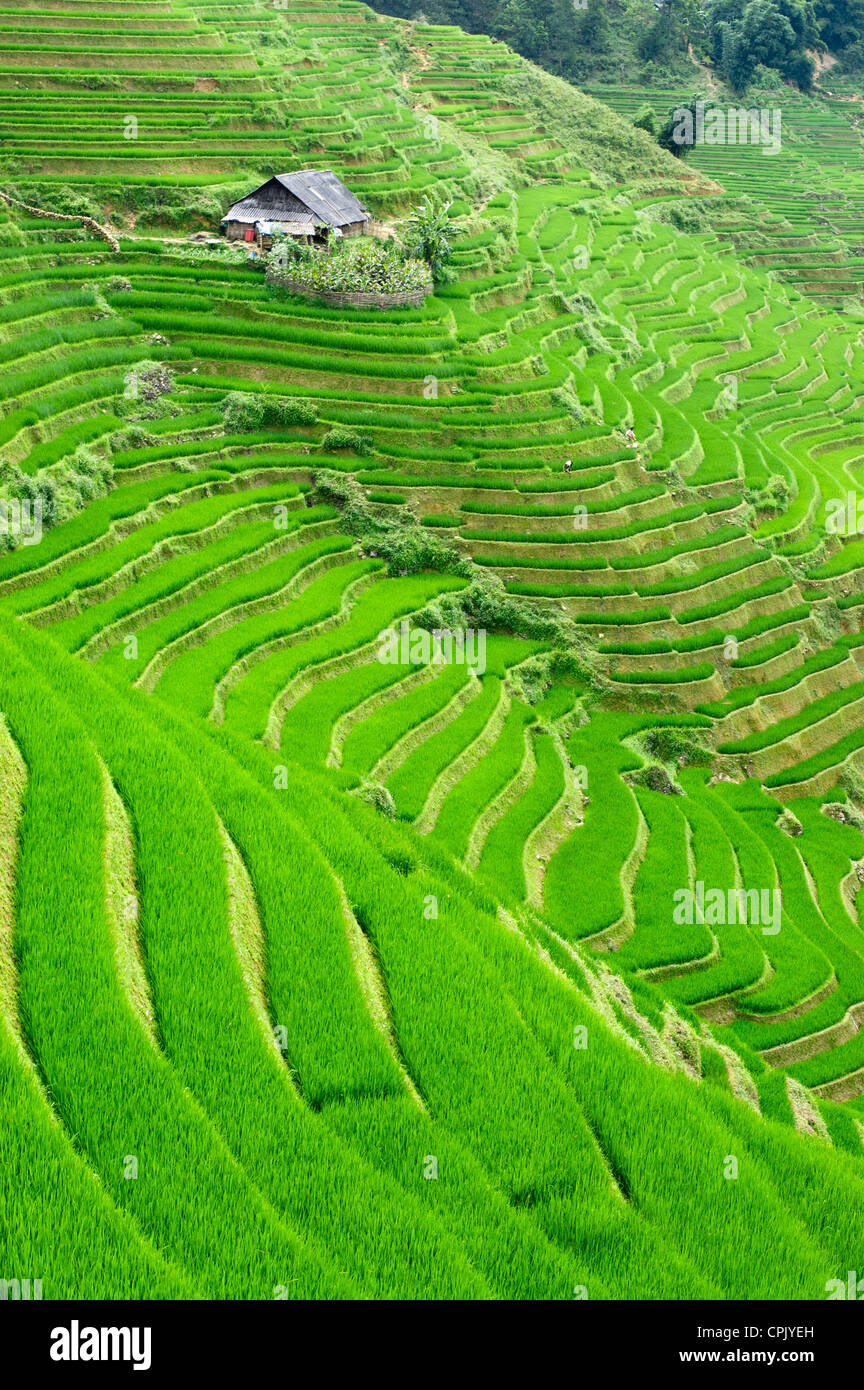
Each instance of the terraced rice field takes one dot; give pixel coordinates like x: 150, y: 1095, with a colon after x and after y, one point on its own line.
x: 349, y: 977
x: 798, y: 209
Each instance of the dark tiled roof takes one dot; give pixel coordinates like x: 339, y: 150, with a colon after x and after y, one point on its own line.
x: 290, y: 197
x: 271, y: 201
x: 325, y: 195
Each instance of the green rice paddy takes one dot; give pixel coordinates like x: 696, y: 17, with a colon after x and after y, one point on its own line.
x: 362, y: 978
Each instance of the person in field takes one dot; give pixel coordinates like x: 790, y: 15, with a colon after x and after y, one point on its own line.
x: 568, y: 467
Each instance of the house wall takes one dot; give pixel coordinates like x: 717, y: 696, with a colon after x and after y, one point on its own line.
x: 235, y: 231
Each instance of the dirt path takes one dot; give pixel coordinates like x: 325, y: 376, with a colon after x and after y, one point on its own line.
x: 711, y: 81
x: 824, y: 61
x: 423, y: 61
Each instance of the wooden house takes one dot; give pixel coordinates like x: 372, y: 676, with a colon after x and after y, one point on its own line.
x: 310, y: 204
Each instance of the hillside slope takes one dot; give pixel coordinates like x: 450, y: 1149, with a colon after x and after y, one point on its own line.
x: 354, y: 977
x: 796, y: 203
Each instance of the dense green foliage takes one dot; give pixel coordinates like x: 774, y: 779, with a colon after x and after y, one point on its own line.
x: 742, y: 38
x: 363, y: 266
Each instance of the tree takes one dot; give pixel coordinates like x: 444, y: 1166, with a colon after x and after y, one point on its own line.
x: 801, y: 69
x: 840, y: 22
x: 594, y: 30
x: 645, y: 119
x: 659, y: 39
x: 678, y: 130
x: 428, y: 236
x: 768, y: 34
x: 775, y: 34
x: 737, y: 63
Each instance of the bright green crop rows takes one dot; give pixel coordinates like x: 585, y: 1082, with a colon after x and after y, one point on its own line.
x: 325, y: 975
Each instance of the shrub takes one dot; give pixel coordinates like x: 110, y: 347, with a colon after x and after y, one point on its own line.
x: 399, y: 540
x: 844, y: 813
x: 243, y: 412
x: 772, y: 497
x: 656, y: 779
x: 852, y: 783
x: 62, y: 492
x: 379, y: 798
x: 646, y: 120
x: 341, y: 438
x: 532, y: 679
x: 408, y: 550
x: 675, y: 745
x: 801, y: 69
x: 42, y: 489
x: 133, y: 437
x: 789, y: 823
x: 288, y: 251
